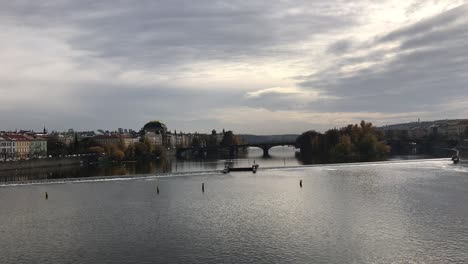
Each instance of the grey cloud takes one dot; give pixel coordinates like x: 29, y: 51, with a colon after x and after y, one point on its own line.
x: 151, y: 33
x: 275, y: 101
x: 340, y: 47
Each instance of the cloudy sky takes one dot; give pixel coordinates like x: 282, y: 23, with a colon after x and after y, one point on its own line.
x: 257, y: 66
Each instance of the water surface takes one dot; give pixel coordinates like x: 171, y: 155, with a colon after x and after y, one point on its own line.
x: 396, y: 212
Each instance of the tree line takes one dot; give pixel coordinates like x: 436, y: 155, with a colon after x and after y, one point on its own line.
x: 352, y: 143
x: 116, y: 152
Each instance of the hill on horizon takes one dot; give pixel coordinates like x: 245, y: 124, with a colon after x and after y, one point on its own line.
x: 422, y: 124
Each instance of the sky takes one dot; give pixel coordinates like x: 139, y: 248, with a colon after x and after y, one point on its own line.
x: 257, y: 66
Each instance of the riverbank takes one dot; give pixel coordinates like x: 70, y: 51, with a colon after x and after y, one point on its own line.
x: 42, y: 163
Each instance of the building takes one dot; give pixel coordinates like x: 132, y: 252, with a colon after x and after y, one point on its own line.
x: 185, y: 140
x: 154, y: 138
x: 114, y: 140
x: 7, y: 149
x: 38, y: 147
x: 417, y: 133
x: 456, y: 130
x: 218, y: 136
x: 181, y: 140
x: 66, y: 139
x: 156, y: 127
x: 23, y: 145
x: 170, y: 140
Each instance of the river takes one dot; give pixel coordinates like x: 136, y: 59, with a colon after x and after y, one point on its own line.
x: 383, y: 212
x: 280, y: 156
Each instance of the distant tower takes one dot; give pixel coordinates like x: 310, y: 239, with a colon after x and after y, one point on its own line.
x: 45, y: 130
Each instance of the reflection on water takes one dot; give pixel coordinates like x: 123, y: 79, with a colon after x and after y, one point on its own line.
x: 279, y: 156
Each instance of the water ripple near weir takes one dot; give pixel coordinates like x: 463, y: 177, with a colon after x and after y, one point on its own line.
x: 439, y: 163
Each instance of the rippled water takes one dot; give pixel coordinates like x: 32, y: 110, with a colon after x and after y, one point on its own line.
x: 280, y: 156
x: 406, y: 212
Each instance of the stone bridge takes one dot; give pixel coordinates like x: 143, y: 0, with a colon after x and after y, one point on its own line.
x: 264, y: 146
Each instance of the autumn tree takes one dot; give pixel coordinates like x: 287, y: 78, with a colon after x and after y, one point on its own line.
x: 358, y: 142
x: 141, y: 149
x: 96, y: 150
x: 130, y: 152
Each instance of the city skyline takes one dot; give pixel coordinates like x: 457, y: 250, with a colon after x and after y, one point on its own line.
x: 256, y: 67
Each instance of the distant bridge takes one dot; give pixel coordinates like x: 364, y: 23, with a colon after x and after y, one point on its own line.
x: 265, y: 146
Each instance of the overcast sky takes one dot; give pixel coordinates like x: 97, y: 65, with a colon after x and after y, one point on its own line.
x: 257, y: 66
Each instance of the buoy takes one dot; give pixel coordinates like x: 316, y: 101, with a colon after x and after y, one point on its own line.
x: 300, y: 183
x: 203, y: 187
x: 46, y: 196
x: 157, y: 189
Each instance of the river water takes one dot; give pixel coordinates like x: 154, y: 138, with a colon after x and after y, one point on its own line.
x: 280, y: 156
x: 387, y: 212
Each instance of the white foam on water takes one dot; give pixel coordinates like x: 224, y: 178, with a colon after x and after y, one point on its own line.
x: 108, y: 178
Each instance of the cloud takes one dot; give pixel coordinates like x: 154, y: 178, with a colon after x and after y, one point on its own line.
x: 340, y: 47
x: 422, y: 70
x: 275, y: 90
x: 165, y: 33
x: 436, y: 23
x: 107, y: 64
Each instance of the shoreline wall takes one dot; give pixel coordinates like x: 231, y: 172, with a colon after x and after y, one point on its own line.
x: 40, y: 163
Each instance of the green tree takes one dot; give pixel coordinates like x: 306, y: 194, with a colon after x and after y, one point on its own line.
x: 55, y: 147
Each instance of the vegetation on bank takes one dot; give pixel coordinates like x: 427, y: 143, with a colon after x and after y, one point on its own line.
x: 115, y: 152
x: 142, y: 150
x: 353, y: 143
x: 132, y: 152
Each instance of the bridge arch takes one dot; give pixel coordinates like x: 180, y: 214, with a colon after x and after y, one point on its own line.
x: 267, y: 146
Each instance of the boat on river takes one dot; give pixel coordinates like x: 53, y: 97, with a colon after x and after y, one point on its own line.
x: 253, y: 169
